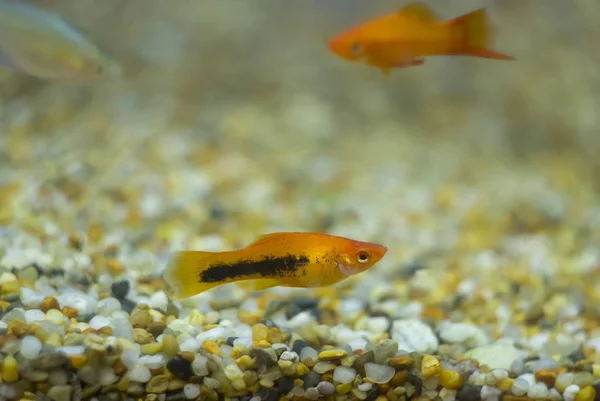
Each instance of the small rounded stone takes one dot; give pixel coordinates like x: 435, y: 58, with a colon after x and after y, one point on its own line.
x: 331, y: 355
x: 401, y: 361
x: 49, y: 303
x: 548, y: 377
x: 211, y: 347
x: 450, y: 379
x: 587, y: 393
x: 170, y: 346
x: 9, y: 369
x: 259, y: 332
x: 430, y: 366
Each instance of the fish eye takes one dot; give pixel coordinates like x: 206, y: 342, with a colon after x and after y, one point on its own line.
x: 356, y: 47
x: 363, y: 256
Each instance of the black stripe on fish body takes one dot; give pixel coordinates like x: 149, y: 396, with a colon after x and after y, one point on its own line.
x: 267, y: 267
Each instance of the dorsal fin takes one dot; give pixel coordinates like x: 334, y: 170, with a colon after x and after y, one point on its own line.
x: 419, y: 11
x: 264, y: 238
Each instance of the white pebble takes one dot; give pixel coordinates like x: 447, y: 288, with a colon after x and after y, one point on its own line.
x: 520, y: 386
x: 571, y: 392
x: 300, y: 320
x: 212, y: 334
x: 431, y: 383
x: 211, y: 382
x: 34, y: 315
x: 97, y: 322
x: 212, y: 317
x: 122, y: 328
x: 233, y: 371
x: 191, y: 345
x: 414, y: 335
x: 31, y: 298
x: 377, y: 324
x: 140, y: 374
x: 538, y: 390
x: 447, y: 395
x: 365, y: 387
x: 159, y: 300
x: 379, y: 373
x: 107, y: 376
x: 342, y: 374
x: 153, y: 361
x: 108, y: 306
x: 191, y: 391
x: 357, y: 343
x: 308, y: 352
x: 489, y: 393
x: 130, y: 357
x: 85, y: 304
x: 467, y: 334
x: 199, y: 365
x: 554, y: 394
x: 31, y: 347
x: 247, y: 341
x: 289, y: 356
x: 495, y: 377
x: 70, y: 350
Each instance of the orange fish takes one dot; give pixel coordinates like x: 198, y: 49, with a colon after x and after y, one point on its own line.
x: 401, y: 39
x: 289, y: 259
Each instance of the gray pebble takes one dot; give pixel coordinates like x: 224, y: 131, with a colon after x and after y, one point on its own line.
x: 60, y: 393
x: 326, y: 388
x: 311, y: 393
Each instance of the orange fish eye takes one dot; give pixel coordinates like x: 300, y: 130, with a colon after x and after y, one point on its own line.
x: 356, y: 47
x: 363, y: 256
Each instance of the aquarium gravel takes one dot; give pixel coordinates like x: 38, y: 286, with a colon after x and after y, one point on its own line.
x: 477, y: 177
x: 482, y: 296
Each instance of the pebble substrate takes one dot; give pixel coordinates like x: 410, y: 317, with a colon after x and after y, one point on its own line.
x: 487, y: 291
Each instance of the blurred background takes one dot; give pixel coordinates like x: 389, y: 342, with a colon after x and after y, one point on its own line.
x: 237, y: 108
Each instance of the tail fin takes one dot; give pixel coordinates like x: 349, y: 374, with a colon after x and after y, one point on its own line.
x: 182, y: 273
x: 475, y: 33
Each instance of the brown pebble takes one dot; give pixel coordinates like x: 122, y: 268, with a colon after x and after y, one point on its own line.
x: 401, y: 362
x: 156, y: 328
x: 70, y: 312
x: 399, y: 378
x: 187, y: 355
x: 49, y: 303
x: 119, y: 368
x: 546, y: 376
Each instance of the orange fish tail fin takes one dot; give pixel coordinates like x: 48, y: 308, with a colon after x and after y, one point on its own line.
x: 183, y: 273
x: 474, y: 33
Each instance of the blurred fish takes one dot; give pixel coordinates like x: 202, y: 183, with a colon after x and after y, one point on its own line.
x: 42, y: 44
x: 401, y: 39
x: 289, y: 259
